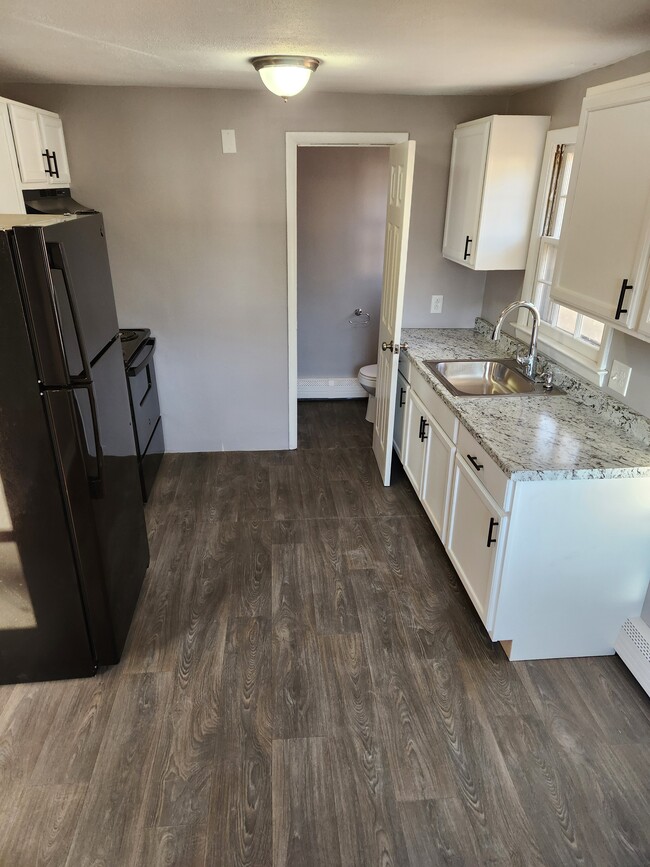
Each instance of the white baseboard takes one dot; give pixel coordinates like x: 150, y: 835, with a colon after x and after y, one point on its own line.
x: 330, y: 388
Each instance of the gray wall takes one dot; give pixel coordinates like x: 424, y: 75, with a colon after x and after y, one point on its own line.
x: 198, y: 239
x: 342, y: 196
x: 563, y: 101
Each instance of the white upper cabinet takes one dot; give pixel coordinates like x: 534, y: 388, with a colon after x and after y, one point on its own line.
x: 495, y: 165
x: 603, y: 250
x: 11, y: 198
x: 40, y: 146
x: 51, y: 129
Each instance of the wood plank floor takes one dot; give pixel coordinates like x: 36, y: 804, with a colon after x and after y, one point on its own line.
x: 306, y: 683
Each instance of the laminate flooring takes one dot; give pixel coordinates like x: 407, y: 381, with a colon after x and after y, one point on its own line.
x: 306, y: 683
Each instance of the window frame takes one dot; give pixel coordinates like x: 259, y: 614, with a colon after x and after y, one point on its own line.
x: 589, y: 362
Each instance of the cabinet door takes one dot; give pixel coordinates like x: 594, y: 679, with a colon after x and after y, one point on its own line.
x: 475, y: 527
x: 436, y: 482
x: 606, y: 218
x: 52, y: 139
x: 417, y: 424
x: 400, y: 414
x: 27, y: 137
x: 11, y: 199
x: 468, y: 160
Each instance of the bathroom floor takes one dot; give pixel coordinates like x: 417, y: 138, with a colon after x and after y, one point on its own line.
x: 306, y: 683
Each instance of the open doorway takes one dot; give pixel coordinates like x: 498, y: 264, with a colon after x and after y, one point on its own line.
x: 342, y: 329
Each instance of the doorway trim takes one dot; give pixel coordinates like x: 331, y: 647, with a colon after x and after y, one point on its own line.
x: 294, y: 141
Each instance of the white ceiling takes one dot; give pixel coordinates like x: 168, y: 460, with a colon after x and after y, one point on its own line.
x: 380, y: 46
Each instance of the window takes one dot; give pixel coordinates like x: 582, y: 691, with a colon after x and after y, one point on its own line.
x: 579, y: 342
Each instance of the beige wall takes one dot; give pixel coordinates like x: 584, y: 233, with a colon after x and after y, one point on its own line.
x: 563, y: 101
x: 342, y: 196
x: 198, y: 239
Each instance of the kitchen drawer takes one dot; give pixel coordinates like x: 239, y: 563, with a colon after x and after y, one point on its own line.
x: 435, y: 405
x: 484, y: 468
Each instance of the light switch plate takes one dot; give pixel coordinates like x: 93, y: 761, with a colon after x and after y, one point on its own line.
x: 619, y: 377
x: 436, y: 303
x: 228, y: 143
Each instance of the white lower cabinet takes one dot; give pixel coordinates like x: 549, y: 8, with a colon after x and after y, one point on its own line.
x: 476, y: 528
x: 553, y: 567
x: 415, y: 445
x: 400, y: 413
x: 438, y: 466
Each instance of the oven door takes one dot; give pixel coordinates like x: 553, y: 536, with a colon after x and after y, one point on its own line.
x: 144, y: 395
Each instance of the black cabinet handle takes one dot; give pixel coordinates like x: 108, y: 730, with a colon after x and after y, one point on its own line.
x: 402, y: 392
x: 490, y: 540
x: 56, y: 165
x: 48, y: 157
x: 425, y: 435
x: 468, y: 241
x: 621, y: 298
x: 474, y: 462
x: 421, y: 427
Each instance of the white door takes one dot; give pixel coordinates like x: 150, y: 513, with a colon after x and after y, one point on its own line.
x: 468, y: 160
x: 603, y: 230
x: 398, y: 215
x: 436, y: 483
x: 27, y: 136
x: 11, y: 197
x: 52, y: 137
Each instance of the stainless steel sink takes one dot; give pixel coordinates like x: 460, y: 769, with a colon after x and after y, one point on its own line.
x: 497, y: 377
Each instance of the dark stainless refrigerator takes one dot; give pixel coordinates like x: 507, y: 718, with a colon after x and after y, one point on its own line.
x: 73, y: 542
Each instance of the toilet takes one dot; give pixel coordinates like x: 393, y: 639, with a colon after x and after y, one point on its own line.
x: 367, y: 377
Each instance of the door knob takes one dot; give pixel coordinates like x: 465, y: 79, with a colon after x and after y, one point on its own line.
x: 393, y: 347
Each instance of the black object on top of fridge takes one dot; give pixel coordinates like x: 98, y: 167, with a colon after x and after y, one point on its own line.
x: 73, y: 542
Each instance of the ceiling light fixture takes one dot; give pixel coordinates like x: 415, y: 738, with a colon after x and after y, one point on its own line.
x: 284, y: 75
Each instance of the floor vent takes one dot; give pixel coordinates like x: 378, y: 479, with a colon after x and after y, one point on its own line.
x: 330, y: 388
x: 633, y: 646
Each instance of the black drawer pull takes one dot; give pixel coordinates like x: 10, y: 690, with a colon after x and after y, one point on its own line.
x: 468, y: 241
x: 402, y: 392
x: 48, y: 157
x: 151, y: 343
x: 621, y: 298
x: 490, y: 540
x: 474, y: 462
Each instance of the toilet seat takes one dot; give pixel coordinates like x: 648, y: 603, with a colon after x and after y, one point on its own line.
x: 368, y: 374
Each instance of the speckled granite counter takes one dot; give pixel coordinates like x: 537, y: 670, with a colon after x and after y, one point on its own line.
x: 580, y: 435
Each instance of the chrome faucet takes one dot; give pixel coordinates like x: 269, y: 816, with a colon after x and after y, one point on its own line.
x: 529, y: 362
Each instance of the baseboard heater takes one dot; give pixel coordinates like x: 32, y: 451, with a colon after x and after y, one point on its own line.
x: 322, y: 388
x: 633, y: 646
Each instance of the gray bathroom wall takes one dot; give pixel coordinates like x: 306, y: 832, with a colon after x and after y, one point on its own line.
x: 341, y: 224
x: 198, y: 242
x: 563, y: 101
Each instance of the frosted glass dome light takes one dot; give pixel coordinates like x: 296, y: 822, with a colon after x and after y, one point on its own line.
x: 283, y: 75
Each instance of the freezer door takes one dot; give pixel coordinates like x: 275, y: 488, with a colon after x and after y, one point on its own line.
x: 43, y: 629
x: 113, y: 481
x: 66, y: 280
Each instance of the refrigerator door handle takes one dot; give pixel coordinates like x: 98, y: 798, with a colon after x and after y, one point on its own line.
x: 58, y: 262
x: 96, y: 481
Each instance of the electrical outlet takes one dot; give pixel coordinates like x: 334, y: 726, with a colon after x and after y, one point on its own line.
x: 436, y: 303
x: 619, y: 377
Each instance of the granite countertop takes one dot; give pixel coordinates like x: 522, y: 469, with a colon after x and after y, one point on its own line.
x: 580, y: 435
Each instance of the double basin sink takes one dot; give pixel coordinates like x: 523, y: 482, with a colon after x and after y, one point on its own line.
x: 486, y: 378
